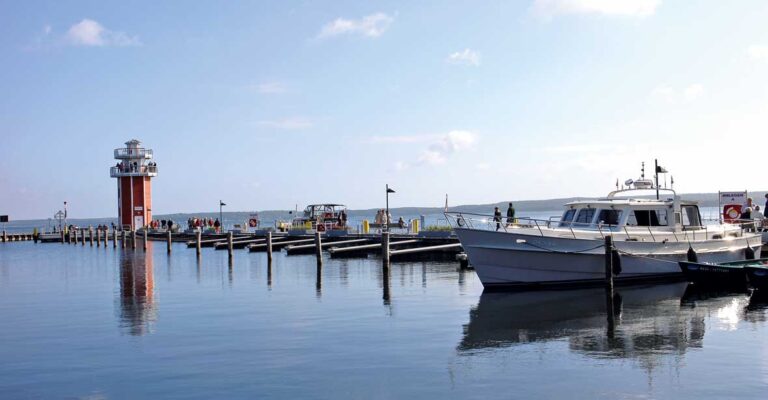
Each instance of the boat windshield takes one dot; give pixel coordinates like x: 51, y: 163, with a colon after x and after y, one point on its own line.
x: 567, y: 217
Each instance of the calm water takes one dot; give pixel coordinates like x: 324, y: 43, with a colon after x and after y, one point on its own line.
x: 96, y: 323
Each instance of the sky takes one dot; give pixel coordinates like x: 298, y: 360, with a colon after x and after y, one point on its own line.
x: 270, y: 105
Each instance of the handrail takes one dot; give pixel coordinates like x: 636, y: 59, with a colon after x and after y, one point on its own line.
x: 133, y: 153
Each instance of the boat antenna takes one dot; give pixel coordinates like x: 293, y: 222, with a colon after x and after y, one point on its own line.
x: 617, y: 183
x: 656, y: 174
x: 671, y: 182
x: 642, y: 170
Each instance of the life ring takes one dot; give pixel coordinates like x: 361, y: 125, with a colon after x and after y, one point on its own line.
x: 320, y: 228
x: 460, y: 221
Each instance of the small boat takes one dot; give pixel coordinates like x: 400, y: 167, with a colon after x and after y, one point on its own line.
x: 757, y: 274
x: 727, y: 274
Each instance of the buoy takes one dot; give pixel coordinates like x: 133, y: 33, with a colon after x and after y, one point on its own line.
x: 615, y: 262
x: 692, y: 256
x: 749, y: 254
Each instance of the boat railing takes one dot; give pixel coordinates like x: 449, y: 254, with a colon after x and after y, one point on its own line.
x: 629, y: 233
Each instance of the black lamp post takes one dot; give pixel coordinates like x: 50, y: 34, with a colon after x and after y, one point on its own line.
x: 221, y: 215
x: 386, y: 212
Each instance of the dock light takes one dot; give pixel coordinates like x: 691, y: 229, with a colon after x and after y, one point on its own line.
x: 386, y: 214
x: 221, y: 214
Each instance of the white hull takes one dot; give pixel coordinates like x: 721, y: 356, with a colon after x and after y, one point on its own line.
x: 511, y: 259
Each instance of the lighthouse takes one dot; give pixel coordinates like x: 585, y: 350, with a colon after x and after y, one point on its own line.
x: 134, y: 171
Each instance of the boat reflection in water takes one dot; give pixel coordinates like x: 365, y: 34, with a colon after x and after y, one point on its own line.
x: 137, y: 309
x: 648, y: 320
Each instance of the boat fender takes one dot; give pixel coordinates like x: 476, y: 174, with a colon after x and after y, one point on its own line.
x: 615, y: 262
x: 749, y: 254
x: 692, y: 256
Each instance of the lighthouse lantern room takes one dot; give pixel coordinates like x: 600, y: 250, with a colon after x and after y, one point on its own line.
x: 134, y: 171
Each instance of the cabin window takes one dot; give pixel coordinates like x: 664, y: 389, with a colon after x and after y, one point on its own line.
x: 609, y: 217
x: 567, y: 217
x: 691, y: 216
x: 648, y: 218
x: 585, y: 216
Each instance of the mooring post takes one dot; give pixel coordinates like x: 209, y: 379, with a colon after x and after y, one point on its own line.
x: 609, y: 262
x: 609, y: 306
x: 83, y: 237
x: 133, y: 239
x: 123, y: 237
x: 90, y: 235
x: 98, y: 237
x: 146, y: 234
x: 229, y: 244
x: 69, y: 236
x: 114, y: 238
x: 318, y: 248
x: 74, y: 233
x: 198, y: 244
x: 168, y: 241
x: 5, y: 237
x: 385, y: 248
x: 269, y: 247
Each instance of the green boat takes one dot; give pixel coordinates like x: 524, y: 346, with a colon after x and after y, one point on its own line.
x: 757, y: 274
x: 728, y: 274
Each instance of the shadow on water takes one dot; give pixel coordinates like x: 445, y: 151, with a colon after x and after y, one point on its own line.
x: 650, y: 321
x: 136, y: 296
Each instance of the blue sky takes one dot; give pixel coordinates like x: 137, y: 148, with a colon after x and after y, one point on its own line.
x: 271, y: 104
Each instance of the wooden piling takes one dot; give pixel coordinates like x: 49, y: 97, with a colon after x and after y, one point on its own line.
x: 198, y: 242
x: 269, y: 247
x: 230, y: 239
x: 385, y: 248
x: 5, y: 236
x: 114, y: 238
x: 133, y: 239
x: 90, y: 235
x: 168, y: 241
x: 318, y: 249
x: 609, y: 261
x: 98, y: 237
x: 82, y: 234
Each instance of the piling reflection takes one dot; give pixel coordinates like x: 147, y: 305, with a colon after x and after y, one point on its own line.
x: 649, y: 321
x: 136, y: 296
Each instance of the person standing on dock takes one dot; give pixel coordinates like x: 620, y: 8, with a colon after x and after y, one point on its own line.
x: 216, y: 225
x: 510, y: 214
x: 497, y: 217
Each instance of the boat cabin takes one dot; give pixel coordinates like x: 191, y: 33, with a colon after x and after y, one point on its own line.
x: 323, y: 216
x: 630, y: 212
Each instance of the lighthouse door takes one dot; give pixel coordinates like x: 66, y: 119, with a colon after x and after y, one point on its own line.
x: 138, y: 221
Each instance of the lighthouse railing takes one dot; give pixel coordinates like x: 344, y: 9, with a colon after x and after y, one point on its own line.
x: 141, y: 170
x: 133, y: 153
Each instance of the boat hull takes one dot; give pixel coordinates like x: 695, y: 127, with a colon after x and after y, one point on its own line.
x: 714, y: 275
x: 509, y: 260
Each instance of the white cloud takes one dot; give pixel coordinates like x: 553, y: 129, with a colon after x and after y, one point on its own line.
x: 271, y: 88
x: 91, y: 33
x: 670, y: 95
x: 403, y: 139
x: 373, y: 26
x: 629, y: 8
x: 758, y: 52
x: 441, y: 149
x: 292, y: 123
x: 466, y: 57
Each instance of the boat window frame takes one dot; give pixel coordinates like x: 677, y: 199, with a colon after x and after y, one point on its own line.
x: 619, y: 215
x: 568, y: 221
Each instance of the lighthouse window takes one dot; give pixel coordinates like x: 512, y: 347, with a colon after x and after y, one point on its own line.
x: 585, y: 216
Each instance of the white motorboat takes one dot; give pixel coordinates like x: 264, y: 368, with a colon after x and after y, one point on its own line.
x: 650, y: 235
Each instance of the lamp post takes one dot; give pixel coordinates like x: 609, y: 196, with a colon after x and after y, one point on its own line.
x: 221, y: 215
x: 386, y: 212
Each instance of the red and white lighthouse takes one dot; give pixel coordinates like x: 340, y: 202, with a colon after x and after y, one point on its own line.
x: 134, y: 172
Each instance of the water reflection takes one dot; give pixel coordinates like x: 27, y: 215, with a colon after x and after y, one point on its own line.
x: 650, y: 321
x: 137, y: 300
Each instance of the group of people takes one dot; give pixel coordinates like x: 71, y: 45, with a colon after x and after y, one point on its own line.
x: 510, y: 216
x: 133, y: 166
x: 203, y: 223
x: 382, y: 217
x: 751, y: 214
x: 163, y: 224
